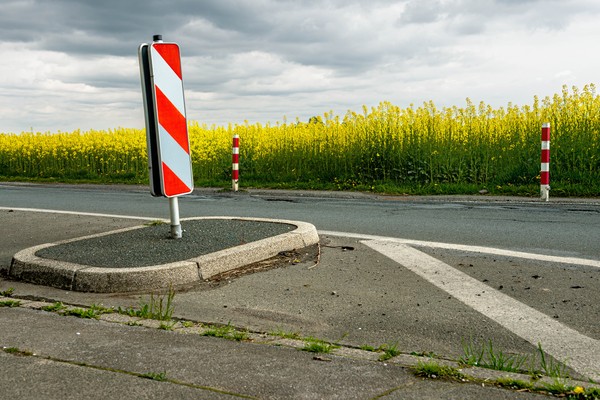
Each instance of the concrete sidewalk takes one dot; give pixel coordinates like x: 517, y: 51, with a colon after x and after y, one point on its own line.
x: 74, y: 358
x: 327, y: 294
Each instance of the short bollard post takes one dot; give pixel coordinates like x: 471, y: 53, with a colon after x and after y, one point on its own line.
x: 235, y: 173
x: 545, y: 169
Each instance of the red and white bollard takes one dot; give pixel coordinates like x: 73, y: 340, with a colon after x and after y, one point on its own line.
x: 545, y: 171
x: 235, y: 173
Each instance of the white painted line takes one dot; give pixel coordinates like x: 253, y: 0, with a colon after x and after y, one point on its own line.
x: 472, y: 249
x: 88, y: 214
x: 581, y: 352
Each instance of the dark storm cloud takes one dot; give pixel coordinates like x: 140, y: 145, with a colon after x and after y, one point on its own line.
x: 299, y: 31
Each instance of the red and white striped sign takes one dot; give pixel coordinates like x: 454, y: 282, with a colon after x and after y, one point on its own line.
x: 545, y: 168
x: 235, y: 173
x: 174, y: 145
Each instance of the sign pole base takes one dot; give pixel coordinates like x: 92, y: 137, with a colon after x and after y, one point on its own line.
x: 176, y: 232
x: 545, y: 192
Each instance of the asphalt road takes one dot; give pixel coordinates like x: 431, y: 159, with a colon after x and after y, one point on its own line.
x: 374, y: 293
x: 560, y: 227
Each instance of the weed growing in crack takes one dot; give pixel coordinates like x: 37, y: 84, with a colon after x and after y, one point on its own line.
x: 167, y: 325
x: 512, y: 383
x: 187, y: 324
x: 226, y: 332
x: 160, y: 376
x: 432, y: 369
x: 94, y: 312
x: 552, y: 368
x: 159, y: 307
x: 389, y: 351
x: 314, y: 345
x: 55, y: 307
x: 10, y: 303
x: 16, y: 351
x: 284, y: 334
x: 487, y: 357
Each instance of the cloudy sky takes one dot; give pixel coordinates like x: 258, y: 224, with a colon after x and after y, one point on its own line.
x: 68, y: 64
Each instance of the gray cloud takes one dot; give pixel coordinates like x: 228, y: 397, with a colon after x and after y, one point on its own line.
x: 73, y: 63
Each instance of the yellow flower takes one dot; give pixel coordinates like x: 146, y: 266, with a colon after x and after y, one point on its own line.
x: 578, y: 390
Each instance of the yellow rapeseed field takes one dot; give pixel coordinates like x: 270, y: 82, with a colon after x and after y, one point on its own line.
x: 383, y: 145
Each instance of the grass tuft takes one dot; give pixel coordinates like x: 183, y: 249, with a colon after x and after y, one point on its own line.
x: 284, y: 334
x: 226, y: 332
x: 160, y: 376
x: 389, y: 350
x: 314, y: 345
x: 55, y: 307
x: 10, y: 303
x: 159, y: 307
x: 551, y: 368
x: 432, y: 369
x: 16, y: 351
x: 93, y: 312
x: 487, y: 356
x: 512, y: 383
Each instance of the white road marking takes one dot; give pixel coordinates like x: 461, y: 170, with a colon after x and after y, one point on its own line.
x: 472, y: 249
x: 88, y: 214
x: 581, y: 352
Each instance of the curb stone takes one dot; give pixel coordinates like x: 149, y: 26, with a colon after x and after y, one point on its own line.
x: 27, y: 266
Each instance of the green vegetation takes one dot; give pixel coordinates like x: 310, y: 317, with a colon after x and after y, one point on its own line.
x: 159, y: 307
x: 17, y: 351
x: 187, y: 324
x: 487, y: 357
x: 414, y: 150
x: 314, y: 345
x: 512, y: 383
x: 551, y: 368
x: 58, y: 306
x: 389, y: 351
x: 432, y: 369
x: 167, y: 325
x: 8, y: 292
x: 93, y: 312
x: 284, y: 334
x: 225, y: 332
x: 160, y: 376
x: 10, y: 303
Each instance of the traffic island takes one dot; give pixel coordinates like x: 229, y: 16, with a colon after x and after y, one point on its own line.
x: 146, y: 257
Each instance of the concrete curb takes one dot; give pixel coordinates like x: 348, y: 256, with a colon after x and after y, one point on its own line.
x: 26, y: 266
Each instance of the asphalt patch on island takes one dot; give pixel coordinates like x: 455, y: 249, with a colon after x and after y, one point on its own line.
x: 152, y: 245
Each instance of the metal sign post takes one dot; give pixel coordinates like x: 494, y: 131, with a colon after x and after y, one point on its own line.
x: 169, y: 158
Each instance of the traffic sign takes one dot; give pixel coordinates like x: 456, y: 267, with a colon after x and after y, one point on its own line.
x: 169, y: 158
